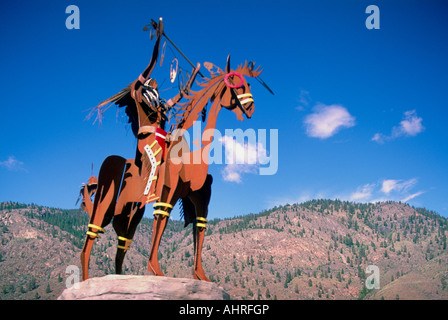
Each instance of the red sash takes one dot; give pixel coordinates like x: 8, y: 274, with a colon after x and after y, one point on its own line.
x: 160, y: 138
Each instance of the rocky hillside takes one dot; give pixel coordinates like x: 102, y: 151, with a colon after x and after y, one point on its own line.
x: 315, y: 250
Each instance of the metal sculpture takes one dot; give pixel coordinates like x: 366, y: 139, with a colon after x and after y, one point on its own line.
x: 86, y: 193
x: 164, y: 169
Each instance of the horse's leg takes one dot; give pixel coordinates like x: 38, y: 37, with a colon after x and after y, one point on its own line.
x: 99, y: 219
x: 200, y: 199
x: 162, y: 211
x: 85, y: 256
x: 125, y: 225
x: 103, y: 210
x: 169, y: 189
x: 161, y: 216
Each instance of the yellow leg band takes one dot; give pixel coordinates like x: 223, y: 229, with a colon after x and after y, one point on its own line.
x: 157, y: 152
x: 162, y: 204
x: 95, y: 227
x: 93, y: 234
x: 201, y: 225
x: 201, y: 219
x: 123, y: 247
x: 161, y: 212
x: 124, y: 239
x: 153, y: 144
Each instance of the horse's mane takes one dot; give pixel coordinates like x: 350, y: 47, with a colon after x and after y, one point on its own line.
x: 212, y: 87
x: 197, y: 101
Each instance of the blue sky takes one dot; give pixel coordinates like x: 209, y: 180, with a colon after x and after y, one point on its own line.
x: 361, y: 114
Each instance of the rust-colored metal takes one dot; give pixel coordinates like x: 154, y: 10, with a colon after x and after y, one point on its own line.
x: 85, y: 194
x: 163, y: 160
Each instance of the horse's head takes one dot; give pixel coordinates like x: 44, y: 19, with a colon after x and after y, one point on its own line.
x: 234, y: 92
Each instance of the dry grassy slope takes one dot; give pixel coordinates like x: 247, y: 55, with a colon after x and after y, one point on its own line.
x: 28, y: 256
x: 316, y: 250
x: 422, y: 283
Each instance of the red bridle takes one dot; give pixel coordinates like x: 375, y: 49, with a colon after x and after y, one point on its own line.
x: 238, y: 75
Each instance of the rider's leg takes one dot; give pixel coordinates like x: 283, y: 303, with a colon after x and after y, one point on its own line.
x: 150, y: 159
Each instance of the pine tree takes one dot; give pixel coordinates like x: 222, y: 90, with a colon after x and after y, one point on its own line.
x: 267, y: 294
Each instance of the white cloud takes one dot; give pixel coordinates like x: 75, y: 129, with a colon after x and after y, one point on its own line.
x: 326, y: 121
x: 385, y: 190
x: 304, y: 100
x: 412, y: 196
x: 397, y: 185
x: 233, y: 172
x: 12, y: 164
x: 379, y: 191
x: 388, y: 185
x: 410, y: 126
x: 300, y: 197
x: 241, y: 158
x: 242, y: 153
x: 378, y: 137
x: 363, y: 193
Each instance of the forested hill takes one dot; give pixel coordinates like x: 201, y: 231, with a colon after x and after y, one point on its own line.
x: 319, y: 249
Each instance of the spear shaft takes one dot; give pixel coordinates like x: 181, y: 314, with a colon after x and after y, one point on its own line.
x: 154, y: 25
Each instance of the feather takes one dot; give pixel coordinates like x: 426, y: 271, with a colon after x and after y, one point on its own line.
x: 122, y: 99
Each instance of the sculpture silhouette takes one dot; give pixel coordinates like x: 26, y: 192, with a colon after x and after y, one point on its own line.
x: 121, y: 190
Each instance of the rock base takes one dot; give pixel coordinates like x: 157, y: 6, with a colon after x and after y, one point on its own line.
x: 127, y: 287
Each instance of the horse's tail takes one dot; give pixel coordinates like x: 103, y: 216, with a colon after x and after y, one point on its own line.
x: 187, y: 210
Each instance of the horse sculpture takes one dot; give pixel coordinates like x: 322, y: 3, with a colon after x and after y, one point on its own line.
x: 119, y: 193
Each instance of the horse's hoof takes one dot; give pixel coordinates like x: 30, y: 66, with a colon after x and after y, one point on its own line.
x: 201, y: 277
x: 155, y: 271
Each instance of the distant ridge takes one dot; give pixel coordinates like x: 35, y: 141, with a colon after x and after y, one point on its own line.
x: 318, y: 249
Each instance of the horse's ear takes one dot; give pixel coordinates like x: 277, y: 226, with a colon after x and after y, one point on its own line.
x: 228, y: 64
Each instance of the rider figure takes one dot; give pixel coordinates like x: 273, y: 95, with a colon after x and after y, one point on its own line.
x: 151, y: 137
x: 147, y: 114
